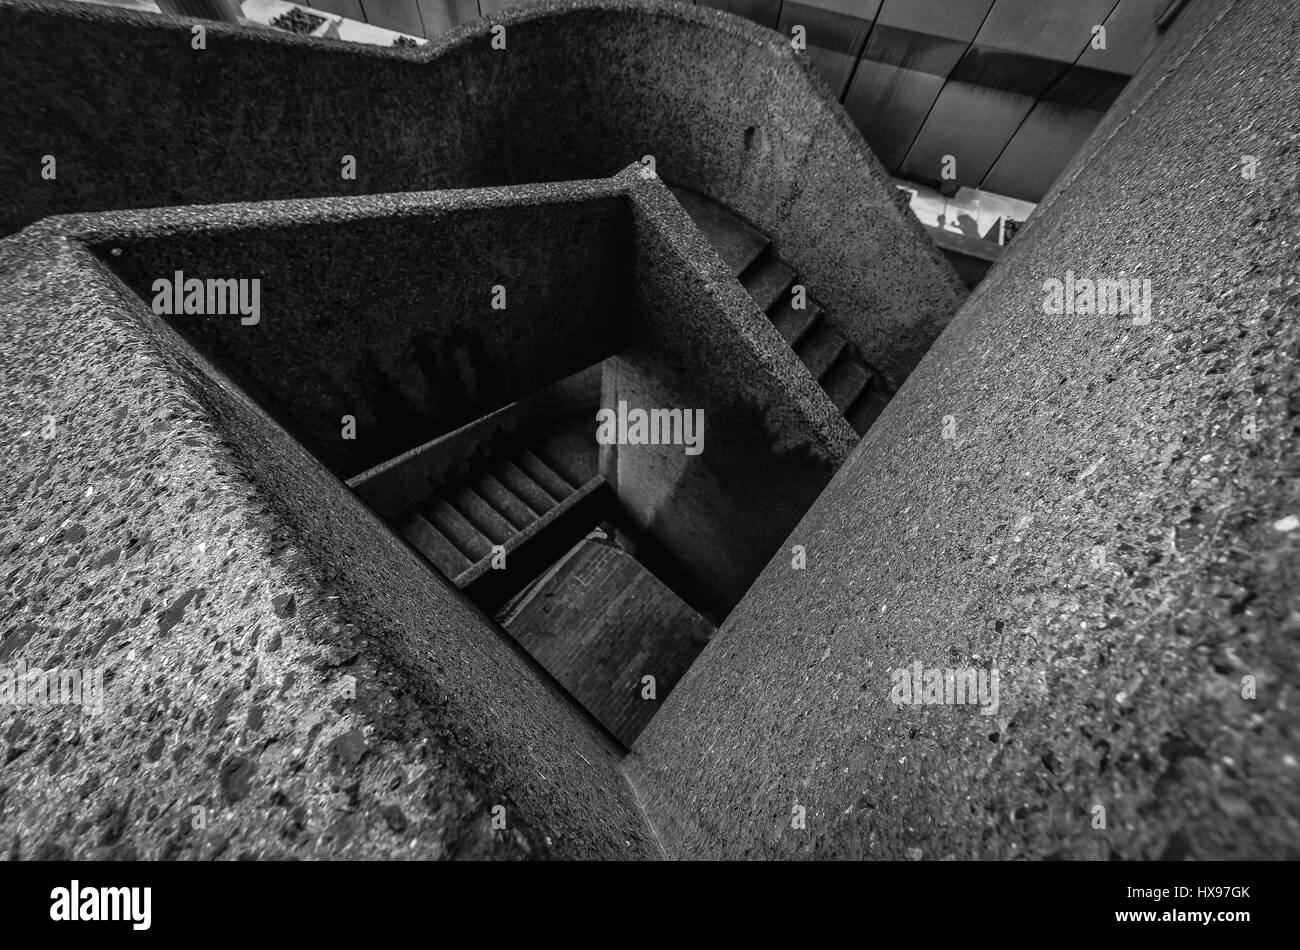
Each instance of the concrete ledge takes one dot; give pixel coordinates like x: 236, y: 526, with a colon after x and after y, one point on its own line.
x: 584, y: 88
x: 274, y: 654
x: 1111, y: 522
x: 407, y: 340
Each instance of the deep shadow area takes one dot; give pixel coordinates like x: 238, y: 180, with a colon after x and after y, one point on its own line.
x: 409, y: 325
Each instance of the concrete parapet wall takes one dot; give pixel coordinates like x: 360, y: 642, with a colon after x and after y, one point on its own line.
x: 1111, y: 523
x: 771, y: 439
x: 273, y: 655
x: 138, y: 118
x: 412, y: 324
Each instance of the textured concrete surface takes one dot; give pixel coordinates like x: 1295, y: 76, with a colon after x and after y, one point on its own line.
x: 1114, y: 525
x: 391, y: 318
x: 583, y: 88
x: 601, y: 623
x: 272, y: 653
x: 772, y: 437
x: 284, y: 676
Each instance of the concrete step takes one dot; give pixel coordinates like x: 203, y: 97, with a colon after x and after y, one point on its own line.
x: 519, y: 505
x: 794, y: 324
x: 768, y: 279
x: 544, y: 475
x: 532, y: 551
x: 469, y: 540
x: 525, y: 488
x: 434, y: 545
x: 846, y: 380
x: 867, y: 407
x: 820, y: 348
x: 510, y: 505
x: 852, y: 384
x: 480, y: 514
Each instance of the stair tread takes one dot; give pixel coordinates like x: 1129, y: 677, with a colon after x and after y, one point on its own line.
x: 434, y: 545
x: 866, y: 408
x: 554, y: 483
x: 767, y: 280
x: 737, y: 243
x: 523, y: 487
x: 482, y: 515
x: 846, y: 380
x: 469, y: 540
x: 820, y: 348
x: 794, y: 324
x: 511, y: 506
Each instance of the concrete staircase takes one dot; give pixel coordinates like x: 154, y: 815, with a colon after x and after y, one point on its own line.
x: 855, y: 387
x: 569, y: 592
x: 507, y: 504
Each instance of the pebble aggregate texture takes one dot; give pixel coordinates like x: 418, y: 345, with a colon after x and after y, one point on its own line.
x: 583, y: 89
x: 273, y: 654
x: 230, y: 587
x: 403, y: 336
x: 1121, y: 675
x: 285, y: 678
x: 774, y: 437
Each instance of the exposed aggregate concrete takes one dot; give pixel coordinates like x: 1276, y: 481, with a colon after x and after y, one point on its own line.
x: 284, y: 677
x: 320, y: 698
x: 583, y: 89
x: 228, y: 663
x: 1121, y: 676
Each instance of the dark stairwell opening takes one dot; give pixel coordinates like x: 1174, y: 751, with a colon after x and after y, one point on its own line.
x: 513, y: 509
x: 471, y: 429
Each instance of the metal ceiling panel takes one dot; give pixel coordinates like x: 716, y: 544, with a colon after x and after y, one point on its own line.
x: 861, y: 9
x: 400, y: 15
x: 889, y: 105
x: 1040, y: 151
x: 834, y: 68
x: 919, y: 52
x: 1008, y: 71
x: 344, y: 8
x: 1130, y: 37
x: 439, y: 16
x: 828, y: 29
x: 1084, y: 88
x: 760, y: 11
x: 950, y: 19
x: 971, y: 123
x: 1050, y: 30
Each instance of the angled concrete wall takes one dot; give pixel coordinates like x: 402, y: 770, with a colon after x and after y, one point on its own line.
x: 1112, y: 525
x: 391, y: 488
x: 771, y: 438
x: 583, y: 88
x: 272, y: 654
x: 393, y: 319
